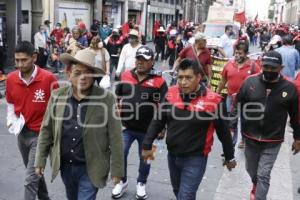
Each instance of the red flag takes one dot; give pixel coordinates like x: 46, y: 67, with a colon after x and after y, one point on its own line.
x: 125, y: 29
x: 240, y: 17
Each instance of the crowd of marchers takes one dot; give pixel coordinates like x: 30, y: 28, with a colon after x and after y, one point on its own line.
x: 87, y: 129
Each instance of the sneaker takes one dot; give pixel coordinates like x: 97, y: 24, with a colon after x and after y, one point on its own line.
x: 119, y: 190
x: 252, y: 194
x: 141, y: 191
x: 241, y: 145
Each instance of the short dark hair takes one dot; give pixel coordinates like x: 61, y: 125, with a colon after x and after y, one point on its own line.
x: 25, y: 47
x: 287, y: 39
x: 190, y: 64
x: 242, y: 46
x: 227, y: 27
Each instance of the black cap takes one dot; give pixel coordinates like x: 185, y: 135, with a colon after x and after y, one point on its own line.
x: 272, y: 58
x: 145, y: 52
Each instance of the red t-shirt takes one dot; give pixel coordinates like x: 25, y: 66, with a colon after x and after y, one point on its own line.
x: 58, y: 34
x: 204, y: 57
x: 30, y: 100
x: 235, y: 76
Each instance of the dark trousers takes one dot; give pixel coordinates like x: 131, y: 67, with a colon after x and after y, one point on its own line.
x: 34, y: 185
x: 160, y: 50
x: 113, y: 64
x: 77, y: 182
x: 42, y: 57
x: 259, y: 164
x: 232, y: 111
x: 144, y: 169
x: 186, y: 174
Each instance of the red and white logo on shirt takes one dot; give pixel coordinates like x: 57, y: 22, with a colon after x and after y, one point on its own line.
x: 150, y: 82
x: 39, y: 96
x: 200, y: 105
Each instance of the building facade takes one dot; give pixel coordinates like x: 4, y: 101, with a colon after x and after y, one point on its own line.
x: 197, y: 10
x: 18, y: 20
x: 292, y: 12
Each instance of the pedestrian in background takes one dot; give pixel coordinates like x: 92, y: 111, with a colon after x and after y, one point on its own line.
x: 290, y: 57
x: 235, y: 72
x: 128, y: 53
x: 114, y: 47
x: 102, y: 59
x: 77, y: 41
x: 81, y: 131
x: 225, y: 45
x: 160, y: 41
x: 41, y: 46
x: 28, y: 90
x: 200, y: 53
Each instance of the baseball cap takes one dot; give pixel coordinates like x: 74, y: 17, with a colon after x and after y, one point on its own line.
x: 272, y: 58
x: 134, y: 32
x: 145, y: 52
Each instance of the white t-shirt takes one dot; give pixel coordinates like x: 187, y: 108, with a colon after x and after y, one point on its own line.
x: 226, y: 44
x: 127, y: 58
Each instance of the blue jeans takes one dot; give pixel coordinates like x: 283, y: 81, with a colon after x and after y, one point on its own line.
x: 144, y: 168
x: 186, y: 174
x: 233, y: 122
x: 77, y: 182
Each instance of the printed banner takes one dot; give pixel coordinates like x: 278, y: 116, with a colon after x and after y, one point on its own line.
x: 217, y: 68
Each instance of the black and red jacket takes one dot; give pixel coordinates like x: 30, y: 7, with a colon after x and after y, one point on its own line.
x: 139, y: 99
x: 191, y: 122
x: 265, y: 108
x: 114, y: 47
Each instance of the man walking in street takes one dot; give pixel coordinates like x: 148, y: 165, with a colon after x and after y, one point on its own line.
x: 160, y: 41
x: 199, y: 52
x: 28, y: 90
x: 81, y: 132
x: 114, y: 47
x: 266, y: 101
x: 192, y: 113
x: 225, y: 45
x: 140, y: 91
x: 290, y: 57
x: 41, y: 46
x: 234, y: 74
x: 128, y: 53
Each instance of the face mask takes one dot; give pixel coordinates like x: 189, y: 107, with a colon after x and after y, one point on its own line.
x: 239, y: 59
x: 104, y: 25
x: 100, y: 45
x: 132, y: 40
x: 270, y: 76
x: 58, y: 27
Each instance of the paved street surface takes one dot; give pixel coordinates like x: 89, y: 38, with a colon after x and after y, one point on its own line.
x: 218, y: 183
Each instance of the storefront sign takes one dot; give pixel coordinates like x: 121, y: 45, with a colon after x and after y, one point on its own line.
x: 133, y: 5
x: 70, y: 14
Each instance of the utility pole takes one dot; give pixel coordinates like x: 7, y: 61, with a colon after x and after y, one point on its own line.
x: 176, y: 13
x: 19, y: 20
x: 146, y: 20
